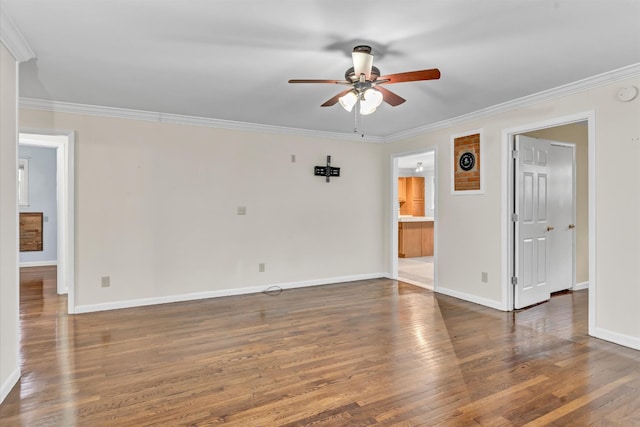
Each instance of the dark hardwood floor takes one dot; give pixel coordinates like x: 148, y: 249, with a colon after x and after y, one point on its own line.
x: 368, y: 353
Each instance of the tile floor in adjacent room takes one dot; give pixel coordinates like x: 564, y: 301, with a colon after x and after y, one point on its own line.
x: 416, y: 271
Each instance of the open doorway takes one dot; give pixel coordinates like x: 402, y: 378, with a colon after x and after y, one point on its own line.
x: 575, y: 132
x: 414, y: 207
x: 63, y: 144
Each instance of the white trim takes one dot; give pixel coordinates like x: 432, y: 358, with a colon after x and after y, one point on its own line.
x: 507, y: 189
x: 10, y: 382
x: 568, y: 89
x: 219, y: 293
x: 617, y: 338
x: 580, y: 286
x: 393, y: 236
x: 13, y: 39
x: 498, y: 305
x: 592, y: 220
x: 65, y: 152
x: 546, y: 95
x: 38, y: 263
x: 123, y: 113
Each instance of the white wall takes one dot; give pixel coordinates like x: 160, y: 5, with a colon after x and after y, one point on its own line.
x: 9, y: 340
x: 470, y: 234
x: 156, y: 209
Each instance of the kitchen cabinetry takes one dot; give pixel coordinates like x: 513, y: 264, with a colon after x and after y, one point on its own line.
x: 413, y: 204
x: 402, y: 190
x: 415, y: 239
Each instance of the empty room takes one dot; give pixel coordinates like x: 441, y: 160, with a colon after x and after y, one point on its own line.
x: 290, y: 213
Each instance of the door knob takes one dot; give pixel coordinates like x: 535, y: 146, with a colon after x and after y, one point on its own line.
x: 549, y: 228
x: 572, y: 226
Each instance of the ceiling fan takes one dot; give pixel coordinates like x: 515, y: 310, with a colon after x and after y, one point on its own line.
x: 366, y: 84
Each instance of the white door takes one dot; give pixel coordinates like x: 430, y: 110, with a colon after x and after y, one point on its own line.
x: 562, y: 216
x: 531, y: 222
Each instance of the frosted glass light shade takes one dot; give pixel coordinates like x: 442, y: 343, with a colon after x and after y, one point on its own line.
x: 371, y: 99
x: 362, y: 63
x: 348, y: 101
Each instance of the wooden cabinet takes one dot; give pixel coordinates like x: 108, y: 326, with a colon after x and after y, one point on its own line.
x: 414, y: 196
x: 402, y: 190
x: 415, y: 239
x: 427, y: 238
x: 30, y: 231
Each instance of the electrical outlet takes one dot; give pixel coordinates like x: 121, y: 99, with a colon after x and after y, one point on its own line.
x: 485, y: 277
x: 105, y: 281
x: 261, y: 267
x: 242, y: 210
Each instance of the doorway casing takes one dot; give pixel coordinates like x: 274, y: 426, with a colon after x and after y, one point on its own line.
x: 393, y: 238
x: 508, y: 251
x: 64, y: 143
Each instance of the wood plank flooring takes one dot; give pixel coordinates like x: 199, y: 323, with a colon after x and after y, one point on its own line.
x: 367, y: 353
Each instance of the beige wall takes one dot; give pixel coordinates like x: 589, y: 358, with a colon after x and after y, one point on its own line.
x: 9, y: 363
x: 577, y: 134
x: 470, y: 235
x: 156, y: 208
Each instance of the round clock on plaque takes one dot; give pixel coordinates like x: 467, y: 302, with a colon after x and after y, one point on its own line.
x: 467, y: 161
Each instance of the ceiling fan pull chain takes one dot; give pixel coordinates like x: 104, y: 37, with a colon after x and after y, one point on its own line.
x: 355, y: 120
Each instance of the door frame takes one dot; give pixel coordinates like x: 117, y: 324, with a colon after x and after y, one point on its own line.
x: 508, y: 135
x: 64, y: 143
x: 393, y: 214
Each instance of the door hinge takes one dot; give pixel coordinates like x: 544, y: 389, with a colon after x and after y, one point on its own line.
x: 514, y: 217
x: 514, y: 154
x: 514, y: 280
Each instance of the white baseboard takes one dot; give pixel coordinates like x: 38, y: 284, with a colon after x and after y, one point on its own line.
x: 38, y: 263
x: 471, y: 298
x: 616, y: 338
x: 8, y: 385
x: 580, y: 286
x: 219, y: 293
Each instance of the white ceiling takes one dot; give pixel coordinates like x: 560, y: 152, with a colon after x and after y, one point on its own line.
x: 231, y: 59
x: 411, y: 161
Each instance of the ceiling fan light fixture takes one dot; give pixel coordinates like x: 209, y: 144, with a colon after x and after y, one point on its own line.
x: 348, y: 100
x: 362, y: 63
x: 371, y: 99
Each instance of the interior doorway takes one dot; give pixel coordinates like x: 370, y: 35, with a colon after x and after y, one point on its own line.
x: 63, y: 143
x: 575, y: 133
x: 413, y: 218
x: 544, y: 217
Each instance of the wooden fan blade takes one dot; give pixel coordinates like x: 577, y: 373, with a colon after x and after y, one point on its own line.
x: 411, y: 76
x: 335, y: 99
x: 390, y: 97
x: 337, y: 82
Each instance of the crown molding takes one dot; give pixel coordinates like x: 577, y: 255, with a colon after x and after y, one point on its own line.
x: 13, y: 39
x: 526, y: 101
x: 568, y: 89
x: 123, y: 113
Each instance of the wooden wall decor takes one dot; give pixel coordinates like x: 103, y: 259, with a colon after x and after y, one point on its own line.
x: 30, y: 231
x: 466, y: 172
